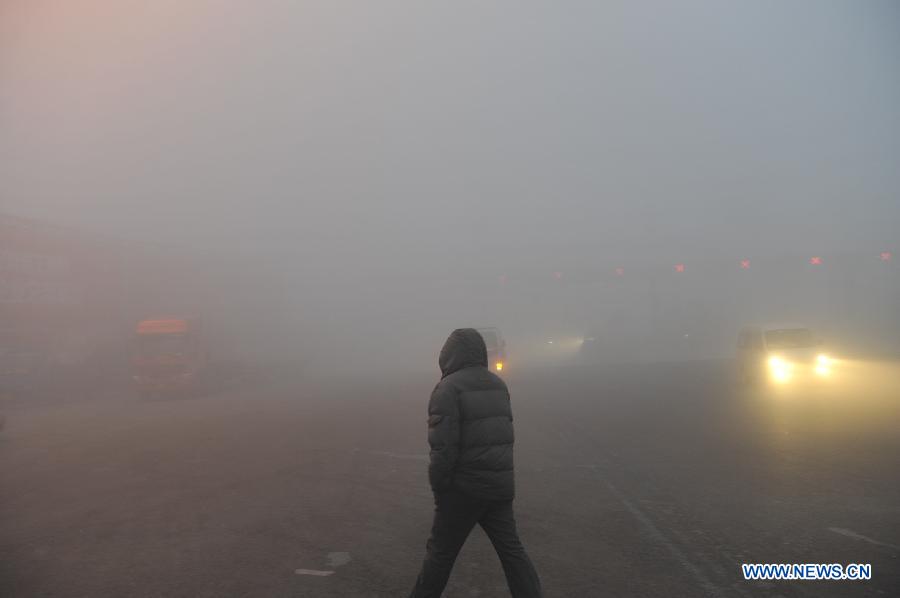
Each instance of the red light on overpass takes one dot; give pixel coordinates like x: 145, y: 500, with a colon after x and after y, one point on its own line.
x: 815, y: 260
x: 886, y: 256
x: 679, y: 268
x: 745, y: 264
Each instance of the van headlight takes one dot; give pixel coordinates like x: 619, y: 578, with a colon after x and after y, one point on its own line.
x: 823, y: 365
x: 780, y: 369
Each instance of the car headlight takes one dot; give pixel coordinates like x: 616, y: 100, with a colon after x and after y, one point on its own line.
x: 780, y: 369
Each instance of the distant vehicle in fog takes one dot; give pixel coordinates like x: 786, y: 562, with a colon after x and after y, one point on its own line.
x: 619, y: 333
x: 782, y: 354
x: 496, y: 348
x: 169, y: 356
x: 610, y: 344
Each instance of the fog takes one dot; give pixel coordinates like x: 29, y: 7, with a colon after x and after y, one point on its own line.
x: 340, y: 184
x: 235, y: 235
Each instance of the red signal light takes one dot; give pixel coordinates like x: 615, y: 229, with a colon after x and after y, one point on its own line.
x: 620, y: 271
x: 558, y: 275
x: 502, y: 279
x: 745, y: 264
x: 886, y: 256
x: 815, y: 261
x: 679, y: 267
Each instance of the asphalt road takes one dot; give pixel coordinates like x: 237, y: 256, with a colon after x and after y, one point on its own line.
x: 633, y: 481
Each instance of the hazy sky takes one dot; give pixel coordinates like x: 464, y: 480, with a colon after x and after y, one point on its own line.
x: 363, y: 132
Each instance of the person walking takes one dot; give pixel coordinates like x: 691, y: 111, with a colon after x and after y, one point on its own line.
x: 470, y: 430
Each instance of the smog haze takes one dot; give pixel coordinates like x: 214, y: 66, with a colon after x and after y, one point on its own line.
x: 346, y: 148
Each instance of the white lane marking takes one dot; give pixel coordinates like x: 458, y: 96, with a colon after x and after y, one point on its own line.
x: 335, y: 560
x: 852, y: 534
x: 338, y: 559
x: 703, y: 580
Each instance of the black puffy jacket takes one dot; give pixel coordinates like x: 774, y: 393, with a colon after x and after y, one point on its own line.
x: 470, y: 426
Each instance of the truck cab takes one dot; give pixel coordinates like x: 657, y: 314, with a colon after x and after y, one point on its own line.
x: 169, y: 356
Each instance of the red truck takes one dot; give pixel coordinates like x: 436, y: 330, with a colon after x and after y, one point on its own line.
x: 169, y: 357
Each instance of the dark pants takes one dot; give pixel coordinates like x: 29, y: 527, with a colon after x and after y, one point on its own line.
x: 455, y: 514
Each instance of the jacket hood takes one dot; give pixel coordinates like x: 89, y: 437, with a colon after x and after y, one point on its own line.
x: 464, y: 348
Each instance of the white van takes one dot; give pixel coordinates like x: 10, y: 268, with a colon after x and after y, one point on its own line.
x: 782, y: 354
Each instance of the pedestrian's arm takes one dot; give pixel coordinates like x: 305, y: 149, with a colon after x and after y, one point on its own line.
x: 443, y: 436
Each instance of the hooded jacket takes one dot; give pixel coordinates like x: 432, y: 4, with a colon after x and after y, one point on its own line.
x: 470, y: 427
